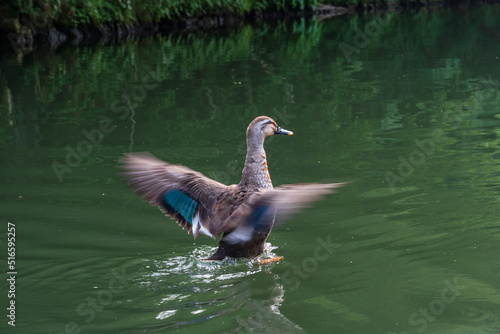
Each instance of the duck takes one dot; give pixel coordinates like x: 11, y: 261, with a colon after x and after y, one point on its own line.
x: 242, y: 214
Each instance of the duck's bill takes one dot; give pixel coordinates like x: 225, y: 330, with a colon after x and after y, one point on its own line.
x: 281, y: 131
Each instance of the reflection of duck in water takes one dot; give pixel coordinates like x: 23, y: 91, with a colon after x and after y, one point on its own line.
x: 259, y: 301
x: 234, y: 296
x: 243, y: 213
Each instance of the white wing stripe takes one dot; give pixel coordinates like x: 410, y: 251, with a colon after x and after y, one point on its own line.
x: 198, y: 227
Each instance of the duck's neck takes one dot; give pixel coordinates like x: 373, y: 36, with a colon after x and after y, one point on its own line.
x: 255, y: 173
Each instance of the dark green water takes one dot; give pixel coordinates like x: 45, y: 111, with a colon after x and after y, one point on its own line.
x: 412, y: 118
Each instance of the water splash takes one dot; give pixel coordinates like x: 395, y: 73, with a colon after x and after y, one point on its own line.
x: 184, y: 290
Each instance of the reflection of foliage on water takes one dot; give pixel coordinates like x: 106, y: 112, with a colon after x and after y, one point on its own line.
x: 74, y: 86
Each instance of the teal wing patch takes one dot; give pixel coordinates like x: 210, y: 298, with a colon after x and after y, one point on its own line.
x: 175, y: 201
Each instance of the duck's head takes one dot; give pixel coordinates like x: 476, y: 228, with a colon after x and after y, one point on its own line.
x: 264, y: 126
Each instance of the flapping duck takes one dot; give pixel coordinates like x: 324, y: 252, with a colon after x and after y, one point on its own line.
x: 242, y: 213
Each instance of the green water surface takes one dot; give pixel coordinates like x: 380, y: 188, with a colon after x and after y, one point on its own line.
x: 405, y: 106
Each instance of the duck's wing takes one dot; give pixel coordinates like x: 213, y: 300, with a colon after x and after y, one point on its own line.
x: 181, y: 193
x: 257, y: 214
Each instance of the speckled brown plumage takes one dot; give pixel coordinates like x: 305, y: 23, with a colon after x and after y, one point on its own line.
x: 244, y: 214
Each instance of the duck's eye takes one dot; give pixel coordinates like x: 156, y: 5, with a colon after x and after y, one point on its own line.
x: 266, y: 124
